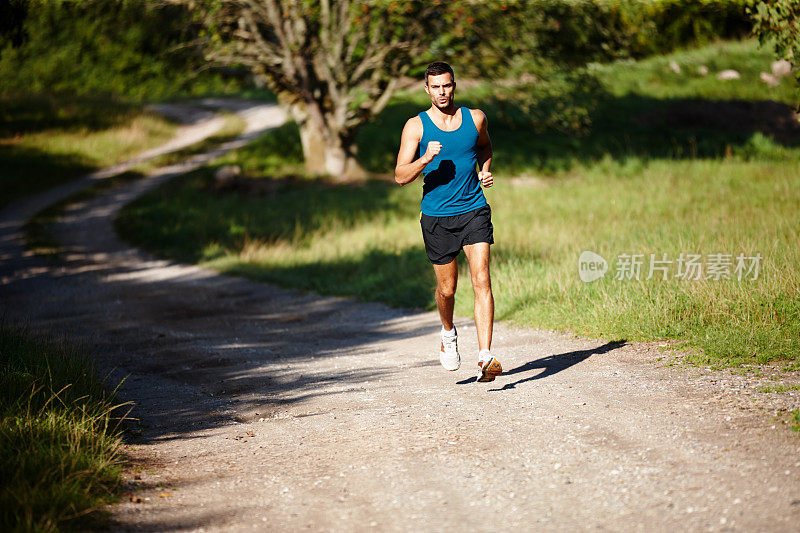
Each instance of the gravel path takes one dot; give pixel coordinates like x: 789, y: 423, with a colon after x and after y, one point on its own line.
x: 263, y: 408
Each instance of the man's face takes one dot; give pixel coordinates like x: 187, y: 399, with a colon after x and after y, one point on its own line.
x: 441, y: 89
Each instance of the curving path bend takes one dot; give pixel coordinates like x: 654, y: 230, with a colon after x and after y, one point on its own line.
x: 263, y: 408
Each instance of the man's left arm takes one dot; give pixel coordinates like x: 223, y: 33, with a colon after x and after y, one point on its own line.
x: 484, y: 148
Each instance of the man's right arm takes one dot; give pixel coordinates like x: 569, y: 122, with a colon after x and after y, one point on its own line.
x: 408, y: 168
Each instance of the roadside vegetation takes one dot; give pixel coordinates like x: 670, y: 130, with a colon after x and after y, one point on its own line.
x: 46, y: 141
x: 38, y: 232
x: 666, y: 163
x: 74, y: 78
x: 640, y: 151
x: 60, y: 459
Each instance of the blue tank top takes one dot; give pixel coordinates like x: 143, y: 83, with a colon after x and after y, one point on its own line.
x: 451, y: 185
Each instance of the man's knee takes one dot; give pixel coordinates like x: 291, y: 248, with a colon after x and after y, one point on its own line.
x: 446, y: 291
x: 482, y: 282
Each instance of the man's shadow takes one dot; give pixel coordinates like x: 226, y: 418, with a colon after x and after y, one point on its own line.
x: 552, y: 364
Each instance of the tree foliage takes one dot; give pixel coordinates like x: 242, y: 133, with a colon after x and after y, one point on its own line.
x: 333, y: 64
x: 489, y: 37
x: 777, y: 22
x: 12, y: 21
x: 126, y: 48
x: 336, y: 63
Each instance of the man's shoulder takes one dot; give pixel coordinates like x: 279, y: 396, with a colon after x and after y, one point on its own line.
x: 478, y: 116
x: 414, y: 125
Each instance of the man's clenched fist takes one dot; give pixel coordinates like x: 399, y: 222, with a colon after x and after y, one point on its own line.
x: 434, y: 147
x: 487, y: 180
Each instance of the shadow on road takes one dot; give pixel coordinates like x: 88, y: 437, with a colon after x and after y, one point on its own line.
x: 196, y: 349
x: 552, y: 364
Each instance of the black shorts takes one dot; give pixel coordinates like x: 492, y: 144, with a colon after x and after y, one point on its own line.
x: 445, y: 236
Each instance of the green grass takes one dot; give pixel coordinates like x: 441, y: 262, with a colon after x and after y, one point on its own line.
x: 234, y: 125
x: 46, y: 141
x: 38, y: 234
x: 641, y: 182
x: 643, y: 111
x: 779, y: 388
x: 276, y: 154
x: 60, y: 456
x: 364, y: 240
x: 653, y: 76
x: 796, y: 421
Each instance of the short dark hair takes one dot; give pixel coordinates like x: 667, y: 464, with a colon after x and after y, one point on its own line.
x: 438, y: 67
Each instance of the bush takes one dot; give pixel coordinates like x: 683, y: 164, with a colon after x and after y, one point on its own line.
x: 112, y: 47
x: 550, y: 41
x: 489, y: 37
x: 679, y: 23
x: 562, y: 102
x: 138, y: 49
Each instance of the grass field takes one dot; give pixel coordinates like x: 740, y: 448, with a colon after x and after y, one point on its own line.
x: 38, y: 229
x: 673, y: 164
x: 47, y: 141
x: 60, y: 456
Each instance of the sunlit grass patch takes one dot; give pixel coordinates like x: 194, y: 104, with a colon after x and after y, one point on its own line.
x: 779, y: 388
x: 232, y: 127
x: 697, y: 74
x: 277, y: 154
x: 38, y: 234
x: 639, y: 183
x: 45, y: 141
x: 101, y: 147
x: 364, y: 240
x: 669, y: 208
x: 59, y: 443
x: 378, y: 261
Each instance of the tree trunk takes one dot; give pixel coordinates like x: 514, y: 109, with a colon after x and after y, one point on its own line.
x: 325, y: 150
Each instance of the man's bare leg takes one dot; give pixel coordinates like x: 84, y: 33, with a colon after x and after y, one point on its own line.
x: 478, y: 258
x: 446, y: 281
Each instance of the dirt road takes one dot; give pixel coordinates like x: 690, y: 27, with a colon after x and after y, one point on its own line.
x: 263, y: 408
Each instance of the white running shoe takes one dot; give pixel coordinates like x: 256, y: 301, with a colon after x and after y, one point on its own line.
x: 448, y: 355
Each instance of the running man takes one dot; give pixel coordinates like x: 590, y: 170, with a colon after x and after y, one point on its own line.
x: 455, y: 214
